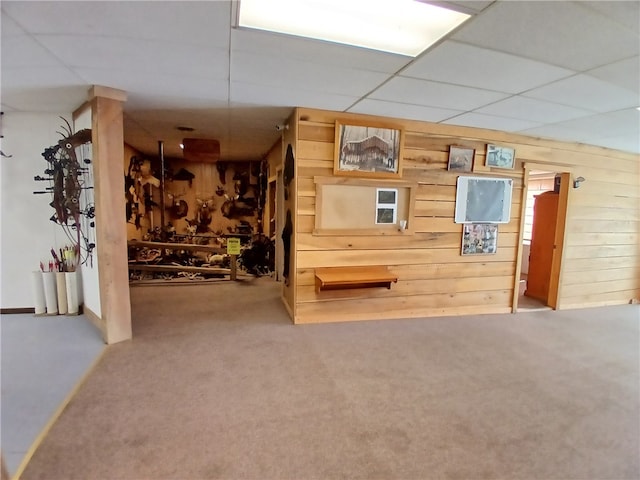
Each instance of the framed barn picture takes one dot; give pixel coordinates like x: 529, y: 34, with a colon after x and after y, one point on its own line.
x: 368, y: 150
x: 500, y: 157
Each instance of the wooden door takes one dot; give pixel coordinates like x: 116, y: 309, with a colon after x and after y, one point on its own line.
x: 545, y: 213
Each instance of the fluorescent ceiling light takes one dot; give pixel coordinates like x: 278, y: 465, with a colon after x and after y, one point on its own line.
x: 405, y: 27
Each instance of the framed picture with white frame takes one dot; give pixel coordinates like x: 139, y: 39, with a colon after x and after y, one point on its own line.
x: 386, y: 206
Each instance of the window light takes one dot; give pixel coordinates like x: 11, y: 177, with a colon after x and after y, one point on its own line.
x: 405, y: 27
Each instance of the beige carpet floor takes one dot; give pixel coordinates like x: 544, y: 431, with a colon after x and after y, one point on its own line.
x: 217, y: 384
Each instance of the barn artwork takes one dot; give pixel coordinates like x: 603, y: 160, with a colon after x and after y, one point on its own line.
x: 367, y: 150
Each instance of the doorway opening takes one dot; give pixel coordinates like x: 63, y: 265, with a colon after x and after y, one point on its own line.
x: 542, y: 239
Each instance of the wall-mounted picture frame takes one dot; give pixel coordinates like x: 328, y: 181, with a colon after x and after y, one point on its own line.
x: 373, y: 150
x: 500, y: 157
x: 386, y: 206
x: 460, y: 158
x: 479, y: 239
x: 483, y: 199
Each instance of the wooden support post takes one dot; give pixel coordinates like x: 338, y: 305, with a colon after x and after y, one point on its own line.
x: 111, y: 235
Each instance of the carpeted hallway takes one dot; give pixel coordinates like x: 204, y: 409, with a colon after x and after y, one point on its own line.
x: 217, y: 383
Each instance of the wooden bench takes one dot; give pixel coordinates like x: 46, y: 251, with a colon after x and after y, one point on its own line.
x: 335, y: 278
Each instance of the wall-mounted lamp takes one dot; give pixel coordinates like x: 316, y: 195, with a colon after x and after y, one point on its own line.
x: 578, y: 181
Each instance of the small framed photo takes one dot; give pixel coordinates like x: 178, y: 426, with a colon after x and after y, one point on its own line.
x: 479, y: 238
x: 460, y: 158
x: 368, y: 150
x: 386, y: 205
x: 500, y: 157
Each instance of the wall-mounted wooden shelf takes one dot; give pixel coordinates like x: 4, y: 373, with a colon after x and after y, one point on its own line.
x: 337, y: 278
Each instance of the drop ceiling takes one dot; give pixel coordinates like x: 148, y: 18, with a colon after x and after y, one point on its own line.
x: 561, y: 70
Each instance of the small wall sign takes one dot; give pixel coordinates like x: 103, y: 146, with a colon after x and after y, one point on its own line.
x: 233, y: 246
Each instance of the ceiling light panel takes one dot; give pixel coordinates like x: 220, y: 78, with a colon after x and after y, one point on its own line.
x: 405, y: 27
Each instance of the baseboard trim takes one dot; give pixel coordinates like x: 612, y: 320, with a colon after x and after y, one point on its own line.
x: 96, y: 321
x: 288, y: 308
x: 11, y: 311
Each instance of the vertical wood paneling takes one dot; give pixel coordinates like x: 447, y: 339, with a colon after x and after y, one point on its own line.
x: 602, y: 230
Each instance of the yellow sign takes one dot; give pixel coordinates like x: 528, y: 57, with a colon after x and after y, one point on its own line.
x: 233, y: 246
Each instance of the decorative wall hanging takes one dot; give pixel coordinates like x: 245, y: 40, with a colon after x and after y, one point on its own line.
x: 70, y: 178
x: 460, y: 158
x: 483, y: 200
x: 479, y: 239
x: 287, y: 233
x: 184, y: 174
x: 367, y: 150
x: 289, y: 170
x: 221, y: 167
x: 500, y: 157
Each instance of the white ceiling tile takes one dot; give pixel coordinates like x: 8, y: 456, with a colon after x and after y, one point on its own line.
x: 303, y: 75
x: 434, y: 94
x: 289, y: 47
x: 46, y: 99
x: 257, y: 117
x: 586, y: 92
x: 625, y: 73
x: 531, y: 109
x: 619, y: 130
x: 626, y: 13
x: 24, y: 51
x: 560, y: 33
x: 197, y: 23
x: 490, y: 122
x: 624, y: 122
x: 134, y: 55
x: 624, y: 143
x: 465, y: 6
x: 250, y: 93
x: 38, y: 77
x: 402, y: 110
x: 9, y: 26
x: 463, y: 64
x: 557, y: 132
x: 190, y: 89
x: 141, y: 100
x: 197, y: 118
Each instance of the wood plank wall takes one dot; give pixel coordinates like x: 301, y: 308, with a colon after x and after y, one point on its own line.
x: 601, y: 259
